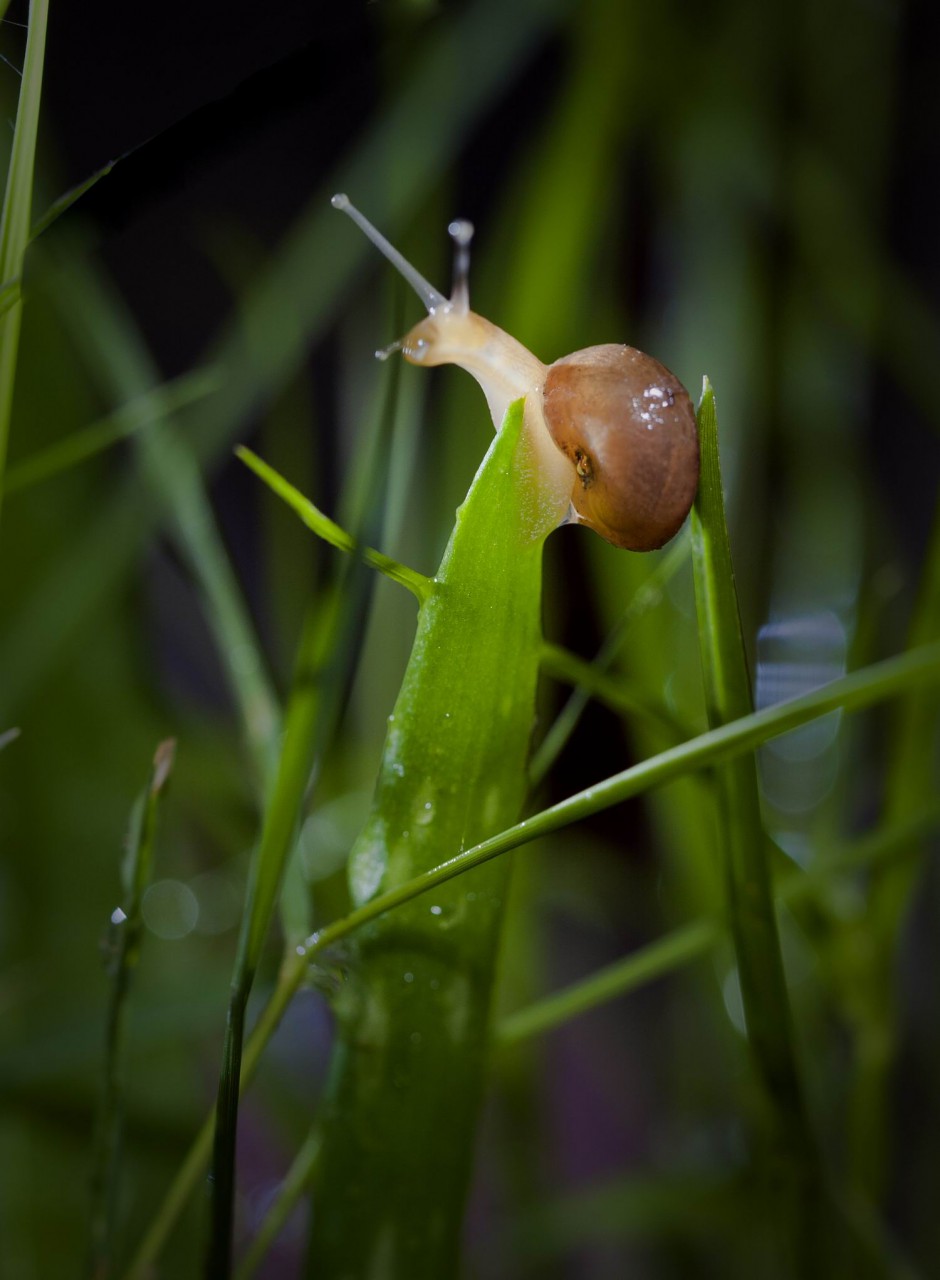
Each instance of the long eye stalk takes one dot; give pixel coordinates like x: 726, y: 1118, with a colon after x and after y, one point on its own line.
x: 461, y: 232
x: 431, y: 298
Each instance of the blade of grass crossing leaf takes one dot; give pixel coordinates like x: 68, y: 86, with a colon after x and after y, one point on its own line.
x: 299, y: 1180
x: 751, y: 912
x: 125, y: 939
x: 17, y: 208
x: 887, y: 846
x: 854, y: 692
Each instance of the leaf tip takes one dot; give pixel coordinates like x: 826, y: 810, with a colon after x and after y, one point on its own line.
x: 162, y: 764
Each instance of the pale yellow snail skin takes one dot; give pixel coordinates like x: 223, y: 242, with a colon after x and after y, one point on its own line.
x: 611, y: 433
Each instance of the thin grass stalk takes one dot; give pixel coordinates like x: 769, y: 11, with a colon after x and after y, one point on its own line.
x: 645, y: 597
x: 793, y: 1158
x: 9, y: 294
x: 911, y: 782
x: 295, y: 765
x: 299, y: 1180
x: 327, y: 656
x: 616, y: 693
x: 892, y: 844
x: 17, y: 211
x: 106, y: 334
x: 125, y: 937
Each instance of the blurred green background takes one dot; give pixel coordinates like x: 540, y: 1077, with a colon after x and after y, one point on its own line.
x: 742, y: 190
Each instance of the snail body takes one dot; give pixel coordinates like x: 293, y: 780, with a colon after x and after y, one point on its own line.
x: 612, y: 432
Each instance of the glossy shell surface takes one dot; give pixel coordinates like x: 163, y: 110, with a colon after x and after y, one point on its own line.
x: 628, y: 426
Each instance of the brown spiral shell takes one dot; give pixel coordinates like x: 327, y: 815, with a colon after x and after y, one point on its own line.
x: 628, y: 426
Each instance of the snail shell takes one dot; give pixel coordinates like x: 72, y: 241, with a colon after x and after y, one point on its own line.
x: 628, y: 426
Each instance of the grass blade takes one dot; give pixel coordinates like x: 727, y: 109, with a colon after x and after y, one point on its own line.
x: 328, y: 653
x: 751, y: 912
x: 617, y: 694
x: 8, y: 736
x: 299, y: 1179
x: 647, y: 595
x: 658, y: 958
x: 17, y: 209
x: 125, y: 939
x: 152, y: 406
x: 331, y: 532
x: 882, y: 848
x: 116, y: 353
x: 301, y: 725
x: 68, y: 198
x: 9, y: 294
x: 911, y: 782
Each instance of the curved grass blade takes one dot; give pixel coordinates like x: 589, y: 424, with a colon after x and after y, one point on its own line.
x: 331, y: 532
x: 124, y: 946
x: 8, y: 736
x: 17, y: 209
x: 150, y: 407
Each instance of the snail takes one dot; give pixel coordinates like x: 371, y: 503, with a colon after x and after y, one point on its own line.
x: 613, y: 431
